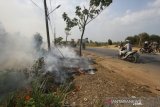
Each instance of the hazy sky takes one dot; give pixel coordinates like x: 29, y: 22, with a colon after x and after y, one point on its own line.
x: 122, y: 18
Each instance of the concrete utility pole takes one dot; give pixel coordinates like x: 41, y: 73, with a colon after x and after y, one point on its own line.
x: 47, y: 27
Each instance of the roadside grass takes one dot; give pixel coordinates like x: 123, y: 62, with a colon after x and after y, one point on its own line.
x: 41, y: 91
x: 37, y: 97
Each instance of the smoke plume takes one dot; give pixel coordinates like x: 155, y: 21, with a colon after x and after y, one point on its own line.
x: 15, y: 50
x: 18, y: 52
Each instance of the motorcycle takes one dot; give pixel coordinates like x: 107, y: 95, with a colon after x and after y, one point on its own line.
x: 131, y: 56
x: 149, y: 50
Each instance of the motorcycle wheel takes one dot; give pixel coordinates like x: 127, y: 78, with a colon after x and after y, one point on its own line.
x: 134, y: 59
x: 153, y: 52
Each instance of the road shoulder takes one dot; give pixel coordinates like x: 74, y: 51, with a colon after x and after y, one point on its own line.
x: 93, y: 90
x: 131, y: 71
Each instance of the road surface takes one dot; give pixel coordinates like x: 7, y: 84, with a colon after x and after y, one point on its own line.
x: 145, y: 58
x: 149, y: 63
x: 150, y: 60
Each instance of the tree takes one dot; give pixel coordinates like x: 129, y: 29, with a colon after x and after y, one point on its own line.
x: 67, y: 34
x: 143, y: 37
x: 37, y: 41
x: 58, y: 40
x: 109, y: 42
x: 133, y: 39
x: 154, y: 38
x: 136, y: 40
x: 84, y: 15
x: 91, y: 41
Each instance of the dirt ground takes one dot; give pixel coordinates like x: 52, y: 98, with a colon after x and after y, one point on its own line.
x: 95, y: 90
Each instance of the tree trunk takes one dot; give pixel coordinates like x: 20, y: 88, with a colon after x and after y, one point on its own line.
x: 80, y: 49
x: 140, y: 41
x: 66, y: 39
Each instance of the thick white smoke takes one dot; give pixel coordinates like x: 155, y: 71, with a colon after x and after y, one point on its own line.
x: 18, y: 52
x: 15, y: 50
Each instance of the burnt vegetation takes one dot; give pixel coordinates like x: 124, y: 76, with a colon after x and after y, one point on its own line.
x: 47, y: 81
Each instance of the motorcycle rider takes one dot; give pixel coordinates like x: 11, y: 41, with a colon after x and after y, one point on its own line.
x: 146, y: 45
x: 125, y: 49
x: 157, y: 47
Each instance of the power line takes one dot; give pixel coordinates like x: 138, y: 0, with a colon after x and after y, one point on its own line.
x: 36, y: 4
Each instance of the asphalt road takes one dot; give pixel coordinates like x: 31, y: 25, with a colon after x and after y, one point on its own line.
x: 149, y: 62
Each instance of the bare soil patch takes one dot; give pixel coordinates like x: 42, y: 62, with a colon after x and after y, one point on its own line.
x: 93, y: 90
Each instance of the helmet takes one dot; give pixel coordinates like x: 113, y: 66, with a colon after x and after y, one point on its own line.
x: 146, y: 42
x: 128, y: 41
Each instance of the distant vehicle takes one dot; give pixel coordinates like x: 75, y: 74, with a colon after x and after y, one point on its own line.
x: 149, y: 50
x: 149, y: 47
x: 131, y: 56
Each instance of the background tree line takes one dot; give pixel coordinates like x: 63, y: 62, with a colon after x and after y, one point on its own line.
x: 96, y: 43
x: 136, y: 40
x: 142, y: 37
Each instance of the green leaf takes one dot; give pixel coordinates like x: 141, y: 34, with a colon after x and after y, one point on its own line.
x: 78, y: 8
x: 85, y: 11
